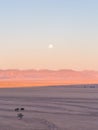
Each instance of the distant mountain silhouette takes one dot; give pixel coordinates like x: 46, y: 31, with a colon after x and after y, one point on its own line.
x: 46, y: 77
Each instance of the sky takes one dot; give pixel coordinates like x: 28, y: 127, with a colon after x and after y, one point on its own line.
x: 49, y: 34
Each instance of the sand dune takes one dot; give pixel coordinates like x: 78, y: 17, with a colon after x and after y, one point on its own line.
x: 50, y: 108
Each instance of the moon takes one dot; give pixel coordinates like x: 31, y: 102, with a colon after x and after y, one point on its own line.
x: 50, y: 46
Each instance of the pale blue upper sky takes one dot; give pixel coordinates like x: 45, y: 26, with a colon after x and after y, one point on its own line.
x: 27, y: 27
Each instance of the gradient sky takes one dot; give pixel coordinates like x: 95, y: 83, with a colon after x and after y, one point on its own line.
x: 27, y: 27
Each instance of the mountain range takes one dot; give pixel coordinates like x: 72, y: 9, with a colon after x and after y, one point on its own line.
x: 17, y: 78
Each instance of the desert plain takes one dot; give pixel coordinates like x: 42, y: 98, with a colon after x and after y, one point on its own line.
x: 71, y: 107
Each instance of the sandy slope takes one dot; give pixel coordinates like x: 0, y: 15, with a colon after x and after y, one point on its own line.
x: 50, y: 108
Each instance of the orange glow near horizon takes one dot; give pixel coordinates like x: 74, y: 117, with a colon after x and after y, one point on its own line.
x: 31, y: 78
x: 12, y: 84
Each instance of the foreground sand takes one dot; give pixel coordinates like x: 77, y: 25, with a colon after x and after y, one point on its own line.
x: 50, y: 108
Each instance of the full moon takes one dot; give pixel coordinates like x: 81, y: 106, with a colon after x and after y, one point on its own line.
x: 50, y: 46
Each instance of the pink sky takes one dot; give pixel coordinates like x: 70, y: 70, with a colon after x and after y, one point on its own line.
x: 21, y: 78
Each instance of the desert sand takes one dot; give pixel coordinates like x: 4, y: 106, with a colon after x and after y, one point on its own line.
x: 50, y: 108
